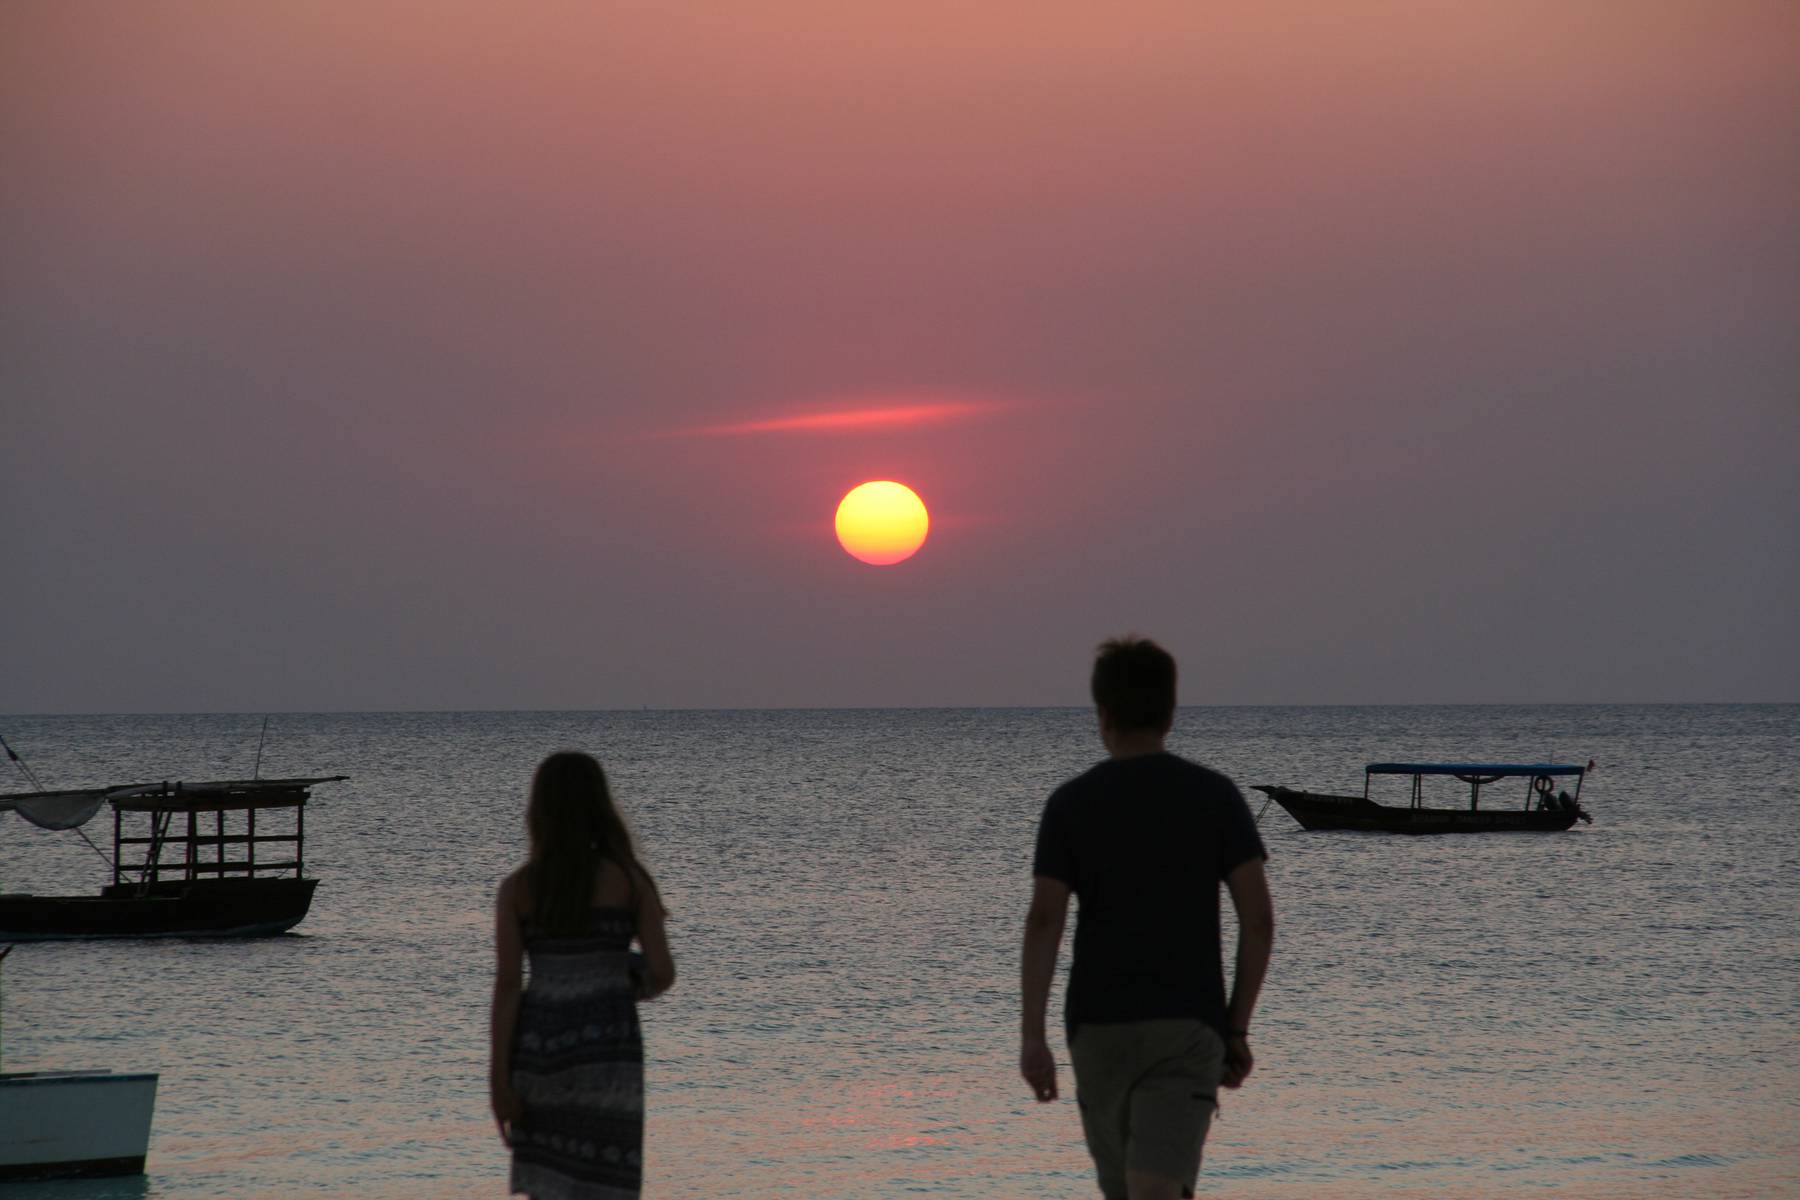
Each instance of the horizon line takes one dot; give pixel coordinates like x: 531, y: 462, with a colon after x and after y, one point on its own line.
x: 726, y: 708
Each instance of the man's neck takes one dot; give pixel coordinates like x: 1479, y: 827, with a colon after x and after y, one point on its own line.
x: 1135, y: 744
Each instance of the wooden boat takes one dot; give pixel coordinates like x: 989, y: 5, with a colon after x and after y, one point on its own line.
x: 195, y: 871
x: 1545, y: 809
x: 58, y: 1124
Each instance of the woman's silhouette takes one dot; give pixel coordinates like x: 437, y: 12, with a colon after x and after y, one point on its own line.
x: 567, y: 1067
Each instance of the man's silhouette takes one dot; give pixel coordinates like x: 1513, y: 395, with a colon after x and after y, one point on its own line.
x: 1144, y: 840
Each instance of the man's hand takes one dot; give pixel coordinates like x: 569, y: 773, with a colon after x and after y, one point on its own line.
x: 1238, y: 1061
x: 1043, y: 934
x: 1039, y: 1068
x: 1249, y: 887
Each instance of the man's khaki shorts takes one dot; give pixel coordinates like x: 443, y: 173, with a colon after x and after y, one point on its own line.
x: 1147, y: 1091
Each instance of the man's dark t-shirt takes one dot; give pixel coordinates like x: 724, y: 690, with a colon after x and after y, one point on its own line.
x: 1144, y: 843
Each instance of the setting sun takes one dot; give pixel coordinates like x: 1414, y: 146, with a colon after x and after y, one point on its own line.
x: 882, y: 522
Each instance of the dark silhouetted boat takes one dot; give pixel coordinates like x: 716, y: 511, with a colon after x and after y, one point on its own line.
x: 1545, y: 810
x: 202, y: 868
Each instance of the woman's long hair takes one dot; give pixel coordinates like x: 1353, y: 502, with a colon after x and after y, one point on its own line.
x: 574, y: 824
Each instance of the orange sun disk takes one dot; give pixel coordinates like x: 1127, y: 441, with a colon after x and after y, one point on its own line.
x: 882, y: 522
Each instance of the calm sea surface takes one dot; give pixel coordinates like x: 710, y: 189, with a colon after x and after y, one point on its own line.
x: 1611, y: 1012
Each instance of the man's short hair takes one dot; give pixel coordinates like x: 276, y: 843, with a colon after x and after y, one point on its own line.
x: 1134, y: 681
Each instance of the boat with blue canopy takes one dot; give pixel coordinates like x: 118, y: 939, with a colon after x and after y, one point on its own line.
x: 1549, y: 806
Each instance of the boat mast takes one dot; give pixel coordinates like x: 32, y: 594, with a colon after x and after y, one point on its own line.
x: 257, y: 774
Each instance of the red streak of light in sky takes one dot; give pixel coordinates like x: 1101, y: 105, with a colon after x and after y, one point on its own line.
x: 852, y: 420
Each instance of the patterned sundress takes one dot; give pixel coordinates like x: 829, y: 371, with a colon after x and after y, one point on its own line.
x: 578, y: 1066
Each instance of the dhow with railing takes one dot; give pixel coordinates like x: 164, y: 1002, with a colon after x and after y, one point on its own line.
x: 218, y: 859
x: 1545, y: 808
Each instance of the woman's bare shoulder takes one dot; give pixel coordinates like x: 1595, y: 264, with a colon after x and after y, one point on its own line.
x: 614, y: 884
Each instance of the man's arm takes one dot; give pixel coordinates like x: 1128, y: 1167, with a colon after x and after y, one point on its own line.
x: 1043, y: 936
x: 1249, y: 887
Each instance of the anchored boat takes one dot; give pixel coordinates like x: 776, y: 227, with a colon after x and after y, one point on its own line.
x: 219, y: 859
x: 1546, y: 808
x: 55, y: 1124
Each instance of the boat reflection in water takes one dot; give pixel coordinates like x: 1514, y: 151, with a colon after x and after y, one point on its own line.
x: 1546, y: 809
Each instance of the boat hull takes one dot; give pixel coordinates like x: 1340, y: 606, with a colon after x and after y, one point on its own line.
x: 61, y: 1124
x: 202, y: 908
x: 1323, y: 811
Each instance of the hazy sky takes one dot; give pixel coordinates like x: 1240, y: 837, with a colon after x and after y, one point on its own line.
x: 378, y: 355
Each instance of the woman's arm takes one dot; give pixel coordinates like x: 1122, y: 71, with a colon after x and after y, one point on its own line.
x: 509, y: 951
x: 659, y: 964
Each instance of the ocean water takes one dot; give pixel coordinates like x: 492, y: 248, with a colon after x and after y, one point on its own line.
x: 1611, y: 1012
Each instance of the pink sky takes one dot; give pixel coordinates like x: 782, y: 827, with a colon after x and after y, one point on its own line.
x: 1370, y: 352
